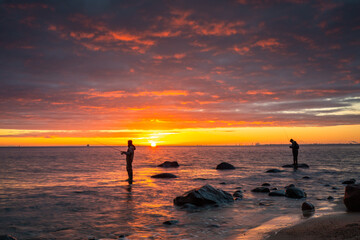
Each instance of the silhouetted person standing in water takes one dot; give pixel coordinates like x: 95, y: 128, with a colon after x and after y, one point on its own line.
x: 295, y: 151
x: 129, y: 159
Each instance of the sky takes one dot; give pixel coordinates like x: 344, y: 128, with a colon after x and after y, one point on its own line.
x: 179, y: 72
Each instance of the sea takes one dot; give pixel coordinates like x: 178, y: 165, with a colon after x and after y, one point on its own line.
x: 81, y: 192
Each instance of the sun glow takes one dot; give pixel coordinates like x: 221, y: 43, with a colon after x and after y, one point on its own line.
x: 153, y: 144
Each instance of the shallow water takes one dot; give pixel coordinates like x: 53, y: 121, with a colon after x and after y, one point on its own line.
x: 76, y: 193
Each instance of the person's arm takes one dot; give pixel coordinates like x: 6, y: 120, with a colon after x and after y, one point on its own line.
x: 129, y: 151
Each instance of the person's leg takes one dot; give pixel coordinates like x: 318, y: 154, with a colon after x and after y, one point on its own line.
x: 129, y: 170
x: 296, y: 158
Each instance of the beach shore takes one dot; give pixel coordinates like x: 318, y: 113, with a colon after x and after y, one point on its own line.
x: 337, y: 226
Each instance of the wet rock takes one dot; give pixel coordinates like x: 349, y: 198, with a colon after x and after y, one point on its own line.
x: 290, y: 185
x: 168, y: 164
x: 277, y: 193
x: 294, y: 192
x: 223, y: 183
x: 302, y: 165
x: 265, y: 184
x: 206, y: 195
x: 7, y: 237
x: 334, y: 188
x: 225, y: 166
x: 350, y: 181
x: 238, y: 194
x: 306, y: 177
x: 274, y: 170
x: 275, y: 188
x: 306, y: 206
x: 352, y: 197
x: 330, y: 198
x: 164, y: 175
x: 261, y: 189
x: 171, y: 222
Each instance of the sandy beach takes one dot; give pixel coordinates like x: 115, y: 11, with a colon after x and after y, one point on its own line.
x: 337, y: 226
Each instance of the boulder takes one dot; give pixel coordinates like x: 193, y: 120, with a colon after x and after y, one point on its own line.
x: 350, y: 181
x: 277, y: 193
x: 164, y: 175
x: 294, y: 192
x: 206, y: 195
x: 168, y: 164
x: 261, y: 189
x: 306, y: 206
x: 274, y: 170
x: 225, y: 166
x: 302, y: 165
x: 352, y: 197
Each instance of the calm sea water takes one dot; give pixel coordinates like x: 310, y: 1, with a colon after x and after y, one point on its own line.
x: 79, y: 193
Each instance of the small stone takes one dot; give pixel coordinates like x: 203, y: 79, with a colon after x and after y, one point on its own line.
x: 275, y: 188
x: 168, y: 164
x: 170, y: 222
x: 265, y: 184
x: 274, y: 170
x: 225, y: 166
x: 164, y: 175
x: 277, y: 193
x: 306, y: 177
x: 294, y: 192
x: 238, y: 194
x: 223, y: 183
x: 306, y: 206
x: 290, y: 185
x: 350, y: 181
x: 261, y: 189
x: 7, y: 237
x: 330, y: 198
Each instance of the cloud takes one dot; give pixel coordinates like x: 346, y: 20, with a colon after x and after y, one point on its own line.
x: 168, y: 65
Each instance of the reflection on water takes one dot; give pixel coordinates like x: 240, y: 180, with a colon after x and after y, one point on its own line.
x: 74, y: 193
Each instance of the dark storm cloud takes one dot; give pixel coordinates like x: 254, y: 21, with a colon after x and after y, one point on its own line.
x: 70, y: 64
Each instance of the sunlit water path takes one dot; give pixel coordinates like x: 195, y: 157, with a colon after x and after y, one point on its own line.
x: 77, y: 193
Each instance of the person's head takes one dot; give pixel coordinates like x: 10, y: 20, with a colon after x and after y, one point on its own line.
x: 291, y: 140
x: 130, y: 143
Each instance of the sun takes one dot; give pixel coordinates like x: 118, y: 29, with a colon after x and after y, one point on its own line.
x: 153, y: 144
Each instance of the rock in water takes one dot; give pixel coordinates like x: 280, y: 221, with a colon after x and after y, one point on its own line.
x: 206, y: 195
x: 352, y: 197
x: 277, y: 193
x: 302, y: 165
x: 294, y: 192
x: 350, y: 181
x: 265, y: 184
x: 170, y: 222
x: 238, y: 194
x: 225, y: 166
x: 7, y: 237
x: 164, y: 175
x: 261, y: 189
x: 274, y: 170
x: 306, y: 206
x: 168, y: 164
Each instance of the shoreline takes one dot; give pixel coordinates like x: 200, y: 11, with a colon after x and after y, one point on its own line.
x: 345, y: 225
x: 336, y: 225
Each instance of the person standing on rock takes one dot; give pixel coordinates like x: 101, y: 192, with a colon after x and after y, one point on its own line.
x: 129, y: 159
x: 295, y: 151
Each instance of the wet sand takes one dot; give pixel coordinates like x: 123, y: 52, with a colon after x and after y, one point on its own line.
x: 337, y: 226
